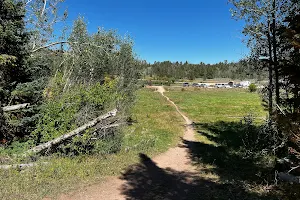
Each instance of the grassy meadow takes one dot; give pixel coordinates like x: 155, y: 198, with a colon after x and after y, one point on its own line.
x: 156, y: 127
x: 221, y: 151
x: 211, y: 105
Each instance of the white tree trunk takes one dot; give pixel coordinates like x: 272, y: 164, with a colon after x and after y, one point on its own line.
x: 77, y: 131
x: 21, y: 166
x: 15, y: 107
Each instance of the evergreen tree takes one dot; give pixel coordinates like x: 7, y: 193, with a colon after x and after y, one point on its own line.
x: 13, y: 53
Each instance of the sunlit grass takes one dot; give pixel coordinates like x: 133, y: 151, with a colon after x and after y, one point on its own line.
x: 219, y: 150
x: 211, y: 105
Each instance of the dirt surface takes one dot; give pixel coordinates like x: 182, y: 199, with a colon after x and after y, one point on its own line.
x: 166, y: 176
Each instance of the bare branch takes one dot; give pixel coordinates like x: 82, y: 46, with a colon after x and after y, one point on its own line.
x: 28, y: 2
x: 21, y: 166
x: 66, y: 42
x: 44, y: 7
x: 15, y: 107
x: 49, y: 45
x: 293, y: 168
x: 77, y: 131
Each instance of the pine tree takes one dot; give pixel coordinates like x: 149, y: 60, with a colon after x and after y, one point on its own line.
x: 13, y: 53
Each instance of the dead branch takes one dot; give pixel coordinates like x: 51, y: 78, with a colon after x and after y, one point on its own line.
x: 15, y: 107
x: 293, y: 168
x: 44, y: 7
x: 66, y: 42
x: 49, y: 45
x: 21, y: 166
x: 77, y: 131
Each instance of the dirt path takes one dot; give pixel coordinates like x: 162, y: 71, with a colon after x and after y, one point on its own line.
x: 175, y: 159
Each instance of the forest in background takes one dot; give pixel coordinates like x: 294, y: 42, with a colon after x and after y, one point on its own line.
x: 243, y: 70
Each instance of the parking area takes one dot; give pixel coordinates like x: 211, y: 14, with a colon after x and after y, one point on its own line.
x: 243, y: 84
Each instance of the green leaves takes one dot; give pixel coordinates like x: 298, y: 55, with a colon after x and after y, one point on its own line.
x: 66, y: 111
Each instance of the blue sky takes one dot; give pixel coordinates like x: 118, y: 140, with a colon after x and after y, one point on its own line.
x: 185, y: 30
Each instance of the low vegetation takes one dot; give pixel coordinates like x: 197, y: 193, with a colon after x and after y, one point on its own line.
x: 156, y: 126
x: 234, y: 149
x: 252, y: 87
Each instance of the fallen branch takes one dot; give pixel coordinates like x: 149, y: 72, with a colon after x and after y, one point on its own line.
x: 77, y: 131
x: 110, y: 126
x: 21, y: 166
x: 15, y: 107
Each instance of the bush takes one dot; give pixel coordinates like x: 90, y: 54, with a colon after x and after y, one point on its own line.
x: 260, y: 140
x: 252, y: 87
x: 65, y: 111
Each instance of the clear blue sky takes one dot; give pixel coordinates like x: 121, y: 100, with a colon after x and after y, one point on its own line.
x: 175, y: 30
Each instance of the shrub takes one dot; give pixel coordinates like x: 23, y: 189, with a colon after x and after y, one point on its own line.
x: 252, y: 87
x: 65, y: 111
x: 260, y: 140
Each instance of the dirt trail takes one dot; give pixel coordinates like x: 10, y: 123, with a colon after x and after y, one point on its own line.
x: 175, y: 159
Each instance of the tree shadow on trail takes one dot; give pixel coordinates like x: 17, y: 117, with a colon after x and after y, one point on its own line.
x: 147, y: 181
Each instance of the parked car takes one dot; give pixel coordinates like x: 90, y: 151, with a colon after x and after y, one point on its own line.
x: 203, y: 85
x: 220, y: 85
x: 186, y: 85
x: 238, y: 86
x: 245, y: 84
x: 227, y: 86
x: 195, y: 85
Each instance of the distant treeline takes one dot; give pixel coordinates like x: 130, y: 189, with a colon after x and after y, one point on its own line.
x: 178, y: 70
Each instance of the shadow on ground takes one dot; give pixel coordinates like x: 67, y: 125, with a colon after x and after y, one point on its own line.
x: 146, y: 181
x: 227, y: 157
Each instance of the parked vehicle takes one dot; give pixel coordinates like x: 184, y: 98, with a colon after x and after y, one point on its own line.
x: 195, y: 85
x: 238, y: 86
x: 203, y: 85
x: 245, y: 83
x: 231, y: 84
x: 186, y: 85
x: 220, y: 85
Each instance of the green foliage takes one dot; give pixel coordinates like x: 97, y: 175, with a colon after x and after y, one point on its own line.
x: 252, y: 87
x: 3, y: 126
x: 178, y: 70
x: 158, y: 128
x: 65, y: 111
x: 15, y: 148
x: 31, y: 92
x: 13, y: 52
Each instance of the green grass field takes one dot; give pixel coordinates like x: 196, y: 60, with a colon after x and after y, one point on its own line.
x: 221, y: 151
x: 211, y: 105
x: 157, y: 127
